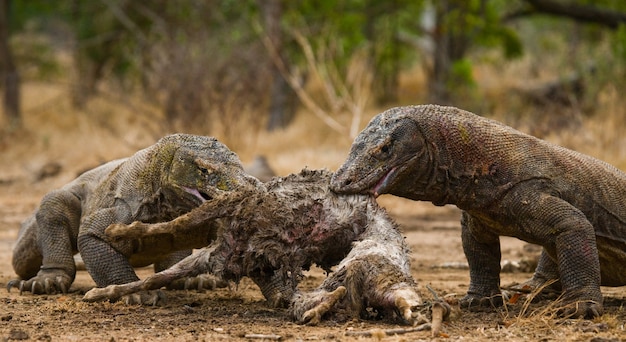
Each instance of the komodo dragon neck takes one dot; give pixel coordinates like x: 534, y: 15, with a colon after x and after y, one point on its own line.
x: 148, y: 169
x: 462, y: 165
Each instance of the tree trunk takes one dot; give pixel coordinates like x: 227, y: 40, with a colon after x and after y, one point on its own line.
x: 437, y: 84
x: 8, y: 70
x: 385, y: 54
x: 282, y: 96
x: 451, y: 41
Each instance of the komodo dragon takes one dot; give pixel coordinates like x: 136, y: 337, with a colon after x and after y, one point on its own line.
x: 156, y: 184
x: 507, y: 184
x: 273, y: 233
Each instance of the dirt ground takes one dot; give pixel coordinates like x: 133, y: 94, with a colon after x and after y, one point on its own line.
x: 241, y: 313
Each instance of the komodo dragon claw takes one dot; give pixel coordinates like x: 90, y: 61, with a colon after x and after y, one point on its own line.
x: 479, y: 303
x: 42, y: 285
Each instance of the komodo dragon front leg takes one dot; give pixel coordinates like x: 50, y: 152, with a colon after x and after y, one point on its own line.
x: 52, y: 268
x: 564, y: 231
x: 107, y: 263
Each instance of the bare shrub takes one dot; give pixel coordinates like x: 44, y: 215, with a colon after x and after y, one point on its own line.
x: 207, y: 86
x: 342, y: 89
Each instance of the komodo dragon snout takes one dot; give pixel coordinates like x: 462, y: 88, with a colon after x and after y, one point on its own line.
x: 197, y: 175
x: 377, y: 160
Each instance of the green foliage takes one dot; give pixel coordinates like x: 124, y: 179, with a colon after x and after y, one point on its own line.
x: 35, y: 57
x: 478, y: 23
x: 461, y: 74
x: 619, y: 45
x: 219, y: 40
x: 339, y: 30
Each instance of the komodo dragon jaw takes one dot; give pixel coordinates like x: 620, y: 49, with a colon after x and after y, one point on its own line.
x: 235, y: 181
x: 380, y: 153
x: 198, y: 175
x: 200, y: 195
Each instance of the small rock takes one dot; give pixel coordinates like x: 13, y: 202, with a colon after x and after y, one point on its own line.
x: 49, y: 169
x: 16, y: 334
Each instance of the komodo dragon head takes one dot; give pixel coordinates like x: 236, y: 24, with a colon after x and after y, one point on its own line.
x: 382, y: 156
x: 200, y: 168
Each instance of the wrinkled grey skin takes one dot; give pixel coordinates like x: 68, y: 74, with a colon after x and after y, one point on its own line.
x: 508, y: 184
x: 273, y: 233
x: 158, y: 183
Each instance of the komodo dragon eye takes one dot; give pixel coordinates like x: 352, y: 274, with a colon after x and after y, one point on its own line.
x: 204, y: 171
x: 384, y: 151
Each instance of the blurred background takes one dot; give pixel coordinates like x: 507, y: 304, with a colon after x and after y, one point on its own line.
x: 84, y: 82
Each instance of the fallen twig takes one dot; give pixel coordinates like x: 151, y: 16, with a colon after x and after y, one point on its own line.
x: 440, y: 311
x: 389, y: 332
x: 264, y: 337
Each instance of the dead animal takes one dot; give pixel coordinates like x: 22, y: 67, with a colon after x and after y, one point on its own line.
x: 284, y: 227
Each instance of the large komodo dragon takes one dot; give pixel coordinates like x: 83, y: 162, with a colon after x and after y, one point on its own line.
x: 273, y: 233
x: 156, y: 184
x: 508, y: 184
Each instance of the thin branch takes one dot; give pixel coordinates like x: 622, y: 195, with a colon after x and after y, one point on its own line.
x: 297, y: 87
x: 126, y: 21
x: 581, y: 13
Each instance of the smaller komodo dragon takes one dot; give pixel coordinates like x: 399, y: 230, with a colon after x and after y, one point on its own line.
x: 282, y: 228
x: 156, y: 184
x: 507, y: 183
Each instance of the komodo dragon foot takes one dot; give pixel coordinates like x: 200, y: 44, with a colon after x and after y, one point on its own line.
x: 476, y: 302
x: 47, y: 281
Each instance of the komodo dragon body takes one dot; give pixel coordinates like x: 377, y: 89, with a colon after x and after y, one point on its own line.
x: 156, y: 184
x: 274, y: 233
x: 508, y: 184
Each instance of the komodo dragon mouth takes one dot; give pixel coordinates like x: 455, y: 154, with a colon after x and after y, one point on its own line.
x: 201, y: 195
x: 384, y: 182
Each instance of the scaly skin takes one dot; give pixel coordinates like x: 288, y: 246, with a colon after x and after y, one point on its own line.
x: 156, y: 184
x: 274, y: 232
x: 508, y: 184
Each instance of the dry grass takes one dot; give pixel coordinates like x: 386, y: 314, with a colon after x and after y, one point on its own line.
x: 115, y: 125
